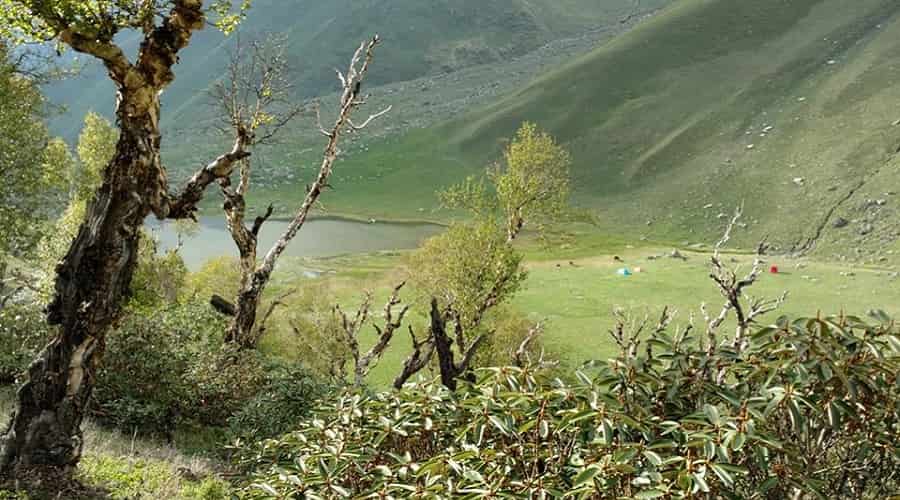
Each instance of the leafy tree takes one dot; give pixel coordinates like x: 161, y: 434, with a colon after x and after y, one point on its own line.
x: 96, y: 147
x: 96, y: 272
x: 473, y: 267
x: 33, y: 167
x: 464, y: 273
x: 530, y: 186
x: 468, y: 269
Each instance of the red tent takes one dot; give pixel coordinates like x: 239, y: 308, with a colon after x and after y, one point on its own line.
x: 773, y: 269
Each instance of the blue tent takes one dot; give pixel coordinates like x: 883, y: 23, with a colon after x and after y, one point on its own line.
x: 624, y: 272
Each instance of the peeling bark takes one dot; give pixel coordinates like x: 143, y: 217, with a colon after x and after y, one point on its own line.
x: 92, y: 281
x: 94, y: 277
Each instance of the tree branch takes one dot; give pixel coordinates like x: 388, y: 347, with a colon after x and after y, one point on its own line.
x: 365, y: 364
x: 110, y: 54
x: 257, y: 224
x: 417, y: 360
x: 184, y: 204
x: 355, y: 74
x: 159, y: 50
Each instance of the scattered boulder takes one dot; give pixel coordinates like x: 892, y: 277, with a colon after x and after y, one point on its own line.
x: 866, y: 229
x: 677, y: 255
x: 840, y: 222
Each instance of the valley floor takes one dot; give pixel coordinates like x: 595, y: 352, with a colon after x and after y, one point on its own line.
x: 573, y: 291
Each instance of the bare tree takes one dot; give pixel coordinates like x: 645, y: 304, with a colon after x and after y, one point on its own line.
x: 746, y: 308
x: 364, y: 363
x: 465, y: 341
x: 255, y: 100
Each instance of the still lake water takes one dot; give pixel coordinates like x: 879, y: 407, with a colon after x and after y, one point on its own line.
x: 321, y: 237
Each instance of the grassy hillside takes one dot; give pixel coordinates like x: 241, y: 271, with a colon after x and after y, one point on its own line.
x: 786, y: 106
x: 425, y: 37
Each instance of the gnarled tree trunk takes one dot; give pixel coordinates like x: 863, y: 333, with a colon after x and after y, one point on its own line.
x: 92, y: 281
x: 94, y: 278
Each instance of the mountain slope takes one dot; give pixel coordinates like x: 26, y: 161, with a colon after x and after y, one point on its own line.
x: 422, y: 37
x: 786, y: 106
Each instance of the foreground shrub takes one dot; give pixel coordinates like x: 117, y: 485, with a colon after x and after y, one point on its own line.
x: 289, y: 395
x: 23, y: 333
x: 142, y: 381
x: 170, y: 365
x: 808, y: 409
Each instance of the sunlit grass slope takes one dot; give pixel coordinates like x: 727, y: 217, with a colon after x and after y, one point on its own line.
x: 786, y: 106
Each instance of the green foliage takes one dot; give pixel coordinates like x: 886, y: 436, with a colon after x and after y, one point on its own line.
x: 220, y: 276
x: 13, y: 495
x: 222, y: 382
x: 531, y: 186
x: 142, y: 382
x: 32, y: 168
x: 319, y: 338
x: 159, y: 368
x: 467, y: 267
x: 159, y: 278
x: 126, y: 478
x: 168, y: 366
x: 808, y: 410
x: 23, y: 21
x: 96, y: 148
x: 289, y: 395
x: 23, y: 333
x: 508, y: 327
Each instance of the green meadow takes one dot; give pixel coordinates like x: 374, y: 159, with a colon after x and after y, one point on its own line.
x: 573, y: 291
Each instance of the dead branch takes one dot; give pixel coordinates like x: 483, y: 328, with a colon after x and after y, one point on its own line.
x: 417, y: 360
x: 279, y: 301
x: 255, y: 104
x: 348, y: 103
x: 733, y: 289
x: 222, y: 305
x: 184, y: 204
x: 257, y: 224
x: 365, y: 364
x: 521, y: 358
